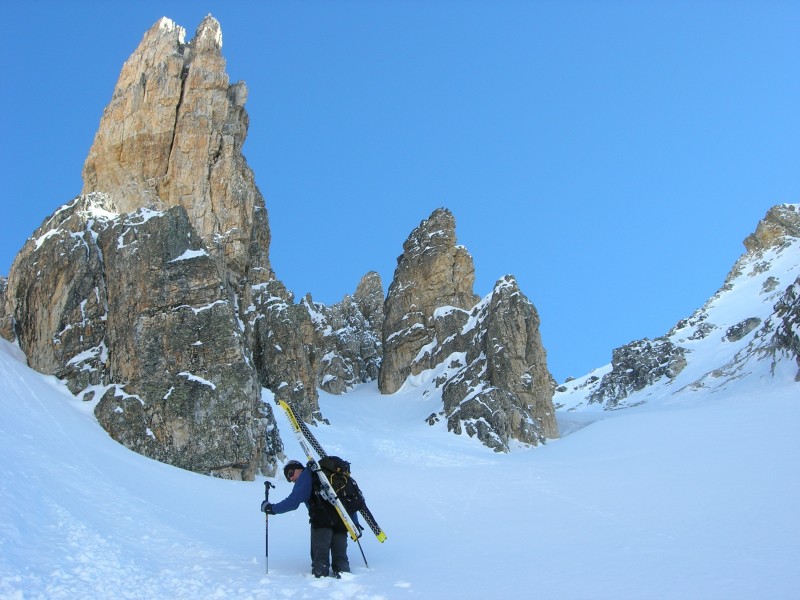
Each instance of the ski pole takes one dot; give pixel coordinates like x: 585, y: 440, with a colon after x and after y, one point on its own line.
x: 362, y: 553
x: 267, y: 485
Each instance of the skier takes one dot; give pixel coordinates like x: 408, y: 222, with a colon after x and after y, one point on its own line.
x: 328, y: 533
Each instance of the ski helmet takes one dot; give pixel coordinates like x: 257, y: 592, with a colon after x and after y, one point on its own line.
x: 291, y: 466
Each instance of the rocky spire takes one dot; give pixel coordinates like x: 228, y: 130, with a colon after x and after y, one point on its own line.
x: 135, y: 293
x: 431, y: 273
x: 498, y: 387
x: 488, y: 356
x: 172, y: 135
x: 151, y: 294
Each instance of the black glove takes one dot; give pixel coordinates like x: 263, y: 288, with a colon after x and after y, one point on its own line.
x: 266, y: 507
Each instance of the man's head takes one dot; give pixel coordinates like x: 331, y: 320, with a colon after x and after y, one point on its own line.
x: 292, y: 470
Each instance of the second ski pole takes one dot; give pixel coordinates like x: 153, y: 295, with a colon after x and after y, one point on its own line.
x: 267, y: 485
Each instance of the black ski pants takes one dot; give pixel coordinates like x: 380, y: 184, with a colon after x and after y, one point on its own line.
x: 328, y: 549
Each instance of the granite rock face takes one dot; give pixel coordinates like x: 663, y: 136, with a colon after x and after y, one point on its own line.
x: 497, y: 385
x: 152, y: 296
x: 6, y: 320
x: 283, y: 348
x: 779, y: 225
x: 491, y: 365
x: 130, y: 310
x: 172, y: 135
x: 137, y: 292
x: 347, y: 337
x: 431, y: 273
x: 636, y: 366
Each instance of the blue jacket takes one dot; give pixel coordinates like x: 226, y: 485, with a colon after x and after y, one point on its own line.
x: 320, y: 512
x: 301, y: 492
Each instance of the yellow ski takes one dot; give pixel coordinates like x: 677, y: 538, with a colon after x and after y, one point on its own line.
x: 305, y: 437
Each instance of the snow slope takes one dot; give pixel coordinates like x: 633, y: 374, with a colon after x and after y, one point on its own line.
x: 692, y: 500
x: 716, y: 361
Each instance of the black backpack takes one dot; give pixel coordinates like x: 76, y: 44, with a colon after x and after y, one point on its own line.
x: 337, y: 470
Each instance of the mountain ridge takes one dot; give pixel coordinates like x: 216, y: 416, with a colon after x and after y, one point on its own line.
x: 132, y: 294
x: 153, y: 290
x: 753, y: 316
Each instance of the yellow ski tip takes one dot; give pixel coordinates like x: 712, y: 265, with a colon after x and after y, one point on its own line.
x: 381, y: 537
x: 289, y: 413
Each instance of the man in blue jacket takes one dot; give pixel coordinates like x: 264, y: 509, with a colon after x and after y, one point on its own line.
x: 328, y: 533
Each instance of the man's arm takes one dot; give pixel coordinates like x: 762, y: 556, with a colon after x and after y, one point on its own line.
x: 301, y: 492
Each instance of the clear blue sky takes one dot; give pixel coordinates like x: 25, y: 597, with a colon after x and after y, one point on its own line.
x: 612, y: 155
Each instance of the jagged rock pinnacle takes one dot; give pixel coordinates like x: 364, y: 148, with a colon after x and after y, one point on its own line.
x: 172, y: 135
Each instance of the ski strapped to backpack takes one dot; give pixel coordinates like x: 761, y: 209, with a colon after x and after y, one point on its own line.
x: 326, y: 491
x: 336, y: 484
x: 306, y: 433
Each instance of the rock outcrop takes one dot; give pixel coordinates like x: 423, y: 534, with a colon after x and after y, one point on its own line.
x: 57, y: 294
x: 780, y: 225
x: 497, y: 385
x: 491, y: 365
x: 172, y: 135
x: 131, y: 312
x: 283, y: 348
x: 778, y: 231
x: 6, y: 320
x: 785, y: 327
x: 191, y: 396
x: 636, y: 366
x: 432, y: 272
x: 137, y: 292
x: 152, y: 296
x: 347, y: 336
x: 752, y: 320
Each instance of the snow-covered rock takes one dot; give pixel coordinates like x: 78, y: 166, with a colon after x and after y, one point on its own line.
x: 753, y: 318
